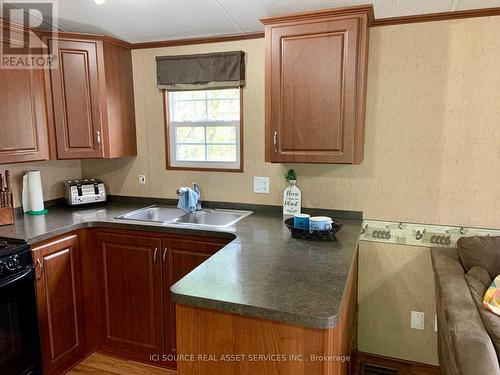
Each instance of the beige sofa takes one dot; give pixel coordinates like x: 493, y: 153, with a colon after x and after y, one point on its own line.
x: 468, y: 334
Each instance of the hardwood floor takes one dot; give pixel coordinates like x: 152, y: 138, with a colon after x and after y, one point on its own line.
x: 100, y: 364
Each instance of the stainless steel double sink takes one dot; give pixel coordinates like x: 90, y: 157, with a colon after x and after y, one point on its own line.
x: 219, y: 218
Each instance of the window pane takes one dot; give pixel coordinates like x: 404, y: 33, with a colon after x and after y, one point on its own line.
x: 221, y: 134
x: 187, y: 95
x: 214, y: 138
x: 221, y: 153
x: 224, y: 110
x: 190, y: 134
x: 190, y: 152
x: 225, y: 93
x: 188, y: 111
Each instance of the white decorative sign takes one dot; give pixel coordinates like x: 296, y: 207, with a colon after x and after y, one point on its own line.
x: 292, y: 199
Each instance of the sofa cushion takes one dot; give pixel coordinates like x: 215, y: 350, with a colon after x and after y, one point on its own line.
x: 491, y: 298
x: 481, y: 251
x: 478, y: 281
x: 465, y: 348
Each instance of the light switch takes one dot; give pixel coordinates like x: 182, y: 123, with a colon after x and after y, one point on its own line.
x: 417, y: 320
x: 261, y: 185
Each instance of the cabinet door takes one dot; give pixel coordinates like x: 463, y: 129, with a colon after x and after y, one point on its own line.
x: 312, y: 92
x: 131, y: 294
x: 181, y: 257
x: 76, y: 100
x: 23, y: 120
x: 59, y: 301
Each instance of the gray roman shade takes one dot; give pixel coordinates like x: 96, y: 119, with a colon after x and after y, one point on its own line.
x: 203, y: 71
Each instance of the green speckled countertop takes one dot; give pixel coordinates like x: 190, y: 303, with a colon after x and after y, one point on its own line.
x: 263, y: 272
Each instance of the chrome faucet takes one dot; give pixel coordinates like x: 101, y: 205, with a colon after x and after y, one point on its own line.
x: 196, y: 188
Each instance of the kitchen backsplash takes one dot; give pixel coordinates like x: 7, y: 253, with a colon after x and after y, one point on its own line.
x: 54, y: 173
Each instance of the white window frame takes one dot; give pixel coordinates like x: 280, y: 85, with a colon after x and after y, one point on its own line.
x: 173, y: 163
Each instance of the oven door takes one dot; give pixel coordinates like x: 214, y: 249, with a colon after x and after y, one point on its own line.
x: 19, y: 338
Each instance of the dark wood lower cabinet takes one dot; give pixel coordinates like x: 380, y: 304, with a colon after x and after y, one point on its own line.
x: 109, y: 290
x: 60, y: 313
x: 135, y: 271
x: 182, y: 255
x: 131, y: 294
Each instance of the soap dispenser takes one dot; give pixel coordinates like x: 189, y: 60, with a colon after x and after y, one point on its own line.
x: 292, y: 199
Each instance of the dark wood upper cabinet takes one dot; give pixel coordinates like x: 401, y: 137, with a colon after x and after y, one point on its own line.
x: 23, y: 116
x: 59, y: 302
x: 316, y: 86
x: 92, y: 99
x: 76, y: 101
x: 131, y: 294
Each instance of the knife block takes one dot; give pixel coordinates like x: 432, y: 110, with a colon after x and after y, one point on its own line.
x: 7, y: 214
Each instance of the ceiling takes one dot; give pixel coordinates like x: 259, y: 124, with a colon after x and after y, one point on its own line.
x: 153, y: 20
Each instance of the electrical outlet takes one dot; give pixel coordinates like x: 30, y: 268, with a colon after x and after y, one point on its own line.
x: 261, y: 185
x: 417, y: 320
x: 142, y: 179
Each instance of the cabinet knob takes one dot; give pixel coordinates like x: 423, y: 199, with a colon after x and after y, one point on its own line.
x: 38, y: 264
x: 155, y: 255
x: 164, y: 254
x: 98, y: 136
x: 275, y: 141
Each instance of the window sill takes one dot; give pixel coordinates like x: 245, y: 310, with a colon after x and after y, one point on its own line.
x: 201, y: 169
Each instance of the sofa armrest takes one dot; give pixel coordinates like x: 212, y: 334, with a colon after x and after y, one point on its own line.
x: 464, y: 345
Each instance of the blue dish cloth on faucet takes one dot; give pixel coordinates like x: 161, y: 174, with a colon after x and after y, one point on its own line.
x: 188, y: 200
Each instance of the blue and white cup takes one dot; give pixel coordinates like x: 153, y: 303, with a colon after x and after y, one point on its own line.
x: 320, y: 223
x: 301, y: 221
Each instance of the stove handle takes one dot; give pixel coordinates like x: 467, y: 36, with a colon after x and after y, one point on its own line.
x: 38, y: 264
x: 16, y: 278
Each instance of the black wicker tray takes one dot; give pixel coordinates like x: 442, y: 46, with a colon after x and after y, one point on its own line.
x: 315, y: 235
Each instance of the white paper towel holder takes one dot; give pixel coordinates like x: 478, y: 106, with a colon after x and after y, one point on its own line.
x: 32, y: 194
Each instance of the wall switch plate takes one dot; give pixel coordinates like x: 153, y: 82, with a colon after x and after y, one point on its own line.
x: 417, y: 320
x: 142, y: 179
x: 261, y: 185
x: 435, y: 323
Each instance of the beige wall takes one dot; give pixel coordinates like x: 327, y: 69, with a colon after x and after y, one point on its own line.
x: 432, y: 135
x: 432, y: 156
x: 53, y: 174
x: 393, y: 281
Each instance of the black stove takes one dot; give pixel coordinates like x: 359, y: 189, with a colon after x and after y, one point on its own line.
x: 15, y: 255
x: 19, y: 337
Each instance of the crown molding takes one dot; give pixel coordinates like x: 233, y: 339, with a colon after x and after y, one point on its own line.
x: 202, y: 40
x: 318, y: 14
x: 443, y: 16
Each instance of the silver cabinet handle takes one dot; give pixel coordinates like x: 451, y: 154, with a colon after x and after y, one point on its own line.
x: 155, y: 255
x: 98, y: 135
x: 275, y: 141
x: 164, y: 254
x: 38, y: 264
